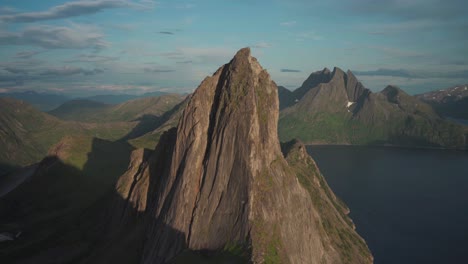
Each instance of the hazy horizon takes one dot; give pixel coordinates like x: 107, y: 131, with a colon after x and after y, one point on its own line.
x: 81, y: 48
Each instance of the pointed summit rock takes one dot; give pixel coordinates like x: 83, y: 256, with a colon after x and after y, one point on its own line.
x: 354, y: 88
x: 220, y: 181
x: 315, y: 78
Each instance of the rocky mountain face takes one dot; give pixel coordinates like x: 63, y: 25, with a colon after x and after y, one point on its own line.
x: 330, y: 90
x: 340, y: 110
x: 220, y: 181
x: 452, y: 102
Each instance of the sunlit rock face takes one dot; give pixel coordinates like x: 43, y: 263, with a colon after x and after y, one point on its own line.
x: 221, y: 179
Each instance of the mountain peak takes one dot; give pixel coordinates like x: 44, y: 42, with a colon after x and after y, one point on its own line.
x: 243, y: 60
x: 354, y: 87
x: 392, y: 89
x: 242, y: 53
x: 314, y: 79
x: 396, y: 95
x: 338, y: 70
x: 223, y: 165
x: 337, y: 74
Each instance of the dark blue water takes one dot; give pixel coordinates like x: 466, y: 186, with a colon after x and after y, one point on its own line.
x: 411, y: 206
x: 459, y: 121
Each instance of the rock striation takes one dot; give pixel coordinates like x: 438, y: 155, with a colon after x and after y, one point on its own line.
x: 220, y: 180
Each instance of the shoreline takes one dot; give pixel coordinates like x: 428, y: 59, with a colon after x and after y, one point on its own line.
x: 385, y: 146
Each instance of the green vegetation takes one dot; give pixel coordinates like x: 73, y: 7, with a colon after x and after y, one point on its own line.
x: 389, y: 117
x: 341, y: 128
x: 328, y: 128
x: 27, y: 134
x: 234, y: 253
x: 267, y: 240
x: 334, y: 220
x: 272, y: 254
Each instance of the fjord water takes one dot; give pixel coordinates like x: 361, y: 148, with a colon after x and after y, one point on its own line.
x: 410, y: 205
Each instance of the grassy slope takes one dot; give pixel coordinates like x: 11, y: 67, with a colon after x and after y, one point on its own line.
x: 79, y: 110
x: 27, y: 134
x: 335, y: 128
x: 170, y: 119
x: 335, y: 223
x: 378, y: 122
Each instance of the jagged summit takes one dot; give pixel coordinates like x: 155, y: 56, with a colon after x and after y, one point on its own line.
x: 220, y: 180
x: 315, y: 78
x: 325, y: 91
x: 353, y: 90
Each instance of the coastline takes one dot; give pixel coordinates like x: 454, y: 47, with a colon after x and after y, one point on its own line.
x: 385, y: 146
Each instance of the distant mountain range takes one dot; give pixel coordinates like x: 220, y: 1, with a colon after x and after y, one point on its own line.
x: 451, y: 102
x: 49, y: 101
x: 120, y: 98
x: 42, y: 101
x: 333, y: 107
x: 26, y: 133
x: 86, y: 110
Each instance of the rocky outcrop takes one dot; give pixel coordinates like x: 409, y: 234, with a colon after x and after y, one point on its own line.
x: 316, y: 78
x: 220, y: 180
x: 327, y: 91
x: 354, y: 88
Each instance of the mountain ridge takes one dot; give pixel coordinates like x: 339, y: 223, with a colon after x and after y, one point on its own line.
x: 450, y: 102
x: 343, y: 111
x: 85, y: 110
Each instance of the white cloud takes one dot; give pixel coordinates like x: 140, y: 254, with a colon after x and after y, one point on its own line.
x: 288, y: 23
x: 76, y: 36
x: 311, y: 35
x: 73, y: 9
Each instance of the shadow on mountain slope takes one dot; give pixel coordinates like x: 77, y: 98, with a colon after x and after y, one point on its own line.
x: 56, y: 208
x: 6, y: 168
x: 148, y: 123
x: 68, y: 216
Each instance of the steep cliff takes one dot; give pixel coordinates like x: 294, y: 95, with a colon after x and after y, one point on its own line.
x: 220, y: 181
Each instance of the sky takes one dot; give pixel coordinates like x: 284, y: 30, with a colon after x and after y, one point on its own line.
x: 90, y: 47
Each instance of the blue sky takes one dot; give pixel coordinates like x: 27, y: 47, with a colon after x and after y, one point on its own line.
x: 122, y: 46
